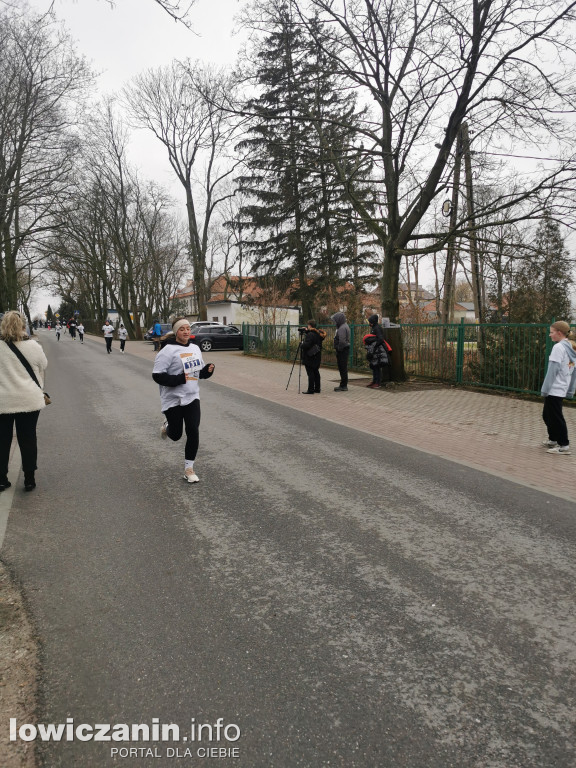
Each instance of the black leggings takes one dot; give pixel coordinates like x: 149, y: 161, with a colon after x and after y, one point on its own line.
x: 26, y: 434
x: 554, y: 419
x: 188, y: 416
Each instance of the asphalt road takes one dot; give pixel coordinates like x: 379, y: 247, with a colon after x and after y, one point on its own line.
x: 343, y: 600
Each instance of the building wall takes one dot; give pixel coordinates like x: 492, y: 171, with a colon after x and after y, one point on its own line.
x: 232, y: 313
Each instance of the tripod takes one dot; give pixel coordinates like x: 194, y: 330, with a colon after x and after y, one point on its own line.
x: 298, y: 349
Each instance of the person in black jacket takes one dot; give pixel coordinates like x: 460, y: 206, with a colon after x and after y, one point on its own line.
x: 312, y: 339
x: 342, y: 347
x: 376, y: 351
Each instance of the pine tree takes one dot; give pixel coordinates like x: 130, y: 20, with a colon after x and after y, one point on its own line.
x: 298, y: 214
x: 542, y: 290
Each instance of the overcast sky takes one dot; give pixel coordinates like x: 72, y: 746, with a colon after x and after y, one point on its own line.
x: 133, y: 35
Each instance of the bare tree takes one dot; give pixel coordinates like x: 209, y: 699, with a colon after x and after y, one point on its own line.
x: 41, y: 81
x: 178, y: 104
x: 177, y: 9
x: 117, y: 244
x: 426, y: 67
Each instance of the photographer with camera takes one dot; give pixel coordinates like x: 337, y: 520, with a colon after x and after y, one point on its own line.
x: 311, y: 342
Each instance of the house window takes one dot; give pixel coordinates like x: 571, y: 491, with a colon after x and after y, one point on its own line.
x: 224, y: 320
x: 214, y: 319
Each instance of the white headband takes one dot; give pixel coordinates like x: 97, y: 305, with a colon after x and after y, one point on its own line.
x: 179, y: 324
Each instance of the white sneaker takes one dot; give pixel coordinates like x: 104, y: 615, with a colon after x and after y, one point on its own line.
x: 549, y: 443
x: 191, y: 476
x: 163, y: 430
x: 563, y: 449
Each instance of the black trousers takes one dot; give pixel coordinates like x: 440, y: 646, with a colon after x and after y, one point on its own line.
x: 554, y: 419
x: 342, y: 361
x: 313, y: 372
x: 108, y: 340
x: 187, y: 416
x: 122, y: 344
x: 26, y: 435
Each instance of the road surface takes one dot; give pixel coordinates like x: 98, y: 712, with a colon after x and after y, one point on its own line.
x: 335, y: 598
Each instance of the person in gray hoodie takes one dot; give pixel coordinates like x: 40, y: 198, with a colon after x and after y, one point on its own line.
x: 342, y: 347
x: 560, y: 382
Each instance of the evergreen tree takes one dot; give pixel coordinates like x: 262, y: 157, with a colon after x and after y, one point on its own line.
x: 543, y: 285
x: 298, y: 210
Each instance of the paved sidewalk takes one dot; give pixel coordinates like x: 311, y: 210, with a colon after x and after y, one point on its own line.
x: 496, y: 434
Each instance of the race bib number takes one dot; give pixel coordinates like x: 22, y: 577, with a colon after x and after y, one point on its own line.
x: 191, y: 366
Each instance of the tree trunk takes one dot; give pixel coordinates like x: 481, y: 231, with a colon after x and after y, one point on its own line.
x: 391, y: 310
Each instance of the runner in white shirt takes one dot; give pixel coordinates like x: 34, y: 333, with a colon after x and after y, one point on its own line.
x: 122, y: 334
x: 80, y: 329
x: 177, y: 369
x: 108, y: 330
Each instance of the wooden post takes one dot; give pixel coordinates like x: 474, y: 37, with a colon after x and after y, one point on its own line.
x: 475, y: 267
x: 449, y: 271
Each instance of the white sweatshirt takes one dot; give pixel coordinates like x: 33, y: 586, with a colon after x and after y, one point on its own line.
x: 174, y: 359
x: 18, y: 391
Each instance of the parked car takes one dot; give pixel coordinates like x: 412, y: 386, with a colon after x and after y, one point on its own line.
x: 223, y: 337
x: 196, y: 326
x: 166, y: 327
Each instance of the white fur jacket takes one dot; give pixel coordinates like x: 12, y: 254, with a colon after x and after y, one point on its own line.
x: 18, y: 392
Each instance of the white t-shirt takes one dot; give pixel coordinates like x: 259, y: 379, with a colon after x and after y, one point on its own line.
x: 80, y: 328
x: 108, y: 331
x: 122, y: 333
x: 174, y: 359
x: 561, y: 383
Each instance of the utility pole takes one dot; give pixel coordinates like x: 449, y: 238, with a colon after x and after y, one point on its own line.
x: 449, y: 270
x: 475, y: 266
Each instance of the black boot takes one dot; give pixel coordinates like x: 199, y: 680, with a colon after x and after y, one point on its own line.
x: 4, y: 483
x: 29, y: 481
x: 307, y: 392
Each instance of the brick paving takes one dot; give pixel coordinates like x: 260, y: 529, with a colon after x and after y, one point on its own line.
x: 493, y: 433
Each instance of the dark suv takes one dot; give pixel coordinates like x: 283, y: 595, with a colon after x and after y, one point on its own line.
x: 223, y: 337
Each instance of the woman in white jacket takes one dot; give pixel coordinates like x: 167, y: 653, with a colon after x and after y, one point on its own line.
x: 177, y: 369
x: 21, y: 399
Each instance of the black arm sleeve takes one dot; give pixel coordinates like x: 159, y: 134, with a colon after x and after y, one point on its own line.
x: 169, y: 379
x: 205, y: 373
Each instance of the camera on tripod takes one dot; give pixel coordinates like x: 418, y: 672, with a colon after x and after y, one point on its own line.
x: 302, y: 329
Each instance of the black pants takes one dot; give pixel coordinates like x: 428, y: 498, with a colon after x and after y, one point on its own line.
x: 313, y: 372
x: 26, y: 435
x: 342, y: 361
x: 81, y: 337
x: 377, y: 374
x: 108, y: 344
x: 122, y: 344
x: 188, y: 416
x: 554, y: 419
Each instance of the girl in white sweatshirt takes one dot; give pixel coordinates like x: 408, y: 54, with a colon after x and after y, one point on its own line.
x: 177, y: 369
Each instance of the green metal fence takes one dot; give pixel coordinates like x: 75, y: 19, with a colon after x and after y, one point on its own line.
x: 280, y: 342
x: 495, y: 355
